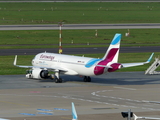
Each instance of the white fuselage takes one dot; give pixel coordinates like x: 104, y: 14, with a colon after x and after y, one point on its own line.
x: 70, y: 65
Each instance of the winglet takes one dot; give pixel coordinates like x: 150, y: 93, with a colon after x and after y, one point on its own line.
x: 135, y: 117
x: 150, y: 58
x: 15, y: 61
x: 74, y: 113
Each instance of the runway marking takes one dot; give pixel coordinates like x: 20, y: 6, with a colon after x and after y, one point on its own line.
x: 44, y: 113
x: 125, y: 88
x: 130, y: 103
x: 88, y: 100
x: 112, y: 97
x: 69, y: 95
x: 118, y: 98
x: 61, y: 109
x: 46, y: 110
x: 113, y: 100
x: 28, y: 114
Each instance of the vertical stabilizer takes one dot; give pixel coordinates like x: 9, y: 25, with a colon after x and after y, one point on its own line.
x: 113, y: 51
x: 74, y: 113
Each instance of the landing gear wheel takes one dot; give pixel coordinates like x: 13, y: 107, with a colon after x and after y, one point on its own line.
x: 58, y: 80
x: 87, y: 79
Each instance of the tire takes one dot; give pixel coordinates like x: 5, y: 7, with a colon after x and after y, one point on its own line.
x: 56, y: 80
x: 85, y: 79
x: 60, y: 80
x: 88, y: 79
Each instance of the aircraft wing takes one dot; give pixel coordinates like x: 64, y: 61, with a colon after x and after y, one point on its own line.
x: 15, y: 64
x: 137, y: 64
x: 150, y: 118
x: 55, y: 68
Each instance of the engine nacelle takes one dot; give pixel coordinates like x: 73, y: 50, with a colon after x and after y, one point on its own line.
x: 38, y: 74
x: 115, y: 66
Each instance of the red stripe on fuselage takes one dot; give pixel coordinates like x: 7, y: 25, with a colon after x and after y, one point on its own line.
x: 111, y: 54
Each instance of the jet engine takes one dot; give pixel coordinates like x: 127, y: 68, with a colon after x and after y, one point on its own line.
x: 38, y: 73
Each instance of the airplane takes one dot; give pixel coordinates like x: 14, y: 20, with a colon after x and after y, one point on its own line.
x: 74, y: 113
x: 150, y: 118
x: 45, y: 62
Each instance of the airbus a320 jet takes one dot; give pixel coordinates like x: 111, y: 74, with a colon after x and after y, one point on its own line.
x: 45, y: 62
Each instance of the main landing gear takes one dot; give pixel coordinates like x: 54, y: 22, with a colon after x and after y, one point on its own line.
x: 87, y: 79
x: 57, y: 78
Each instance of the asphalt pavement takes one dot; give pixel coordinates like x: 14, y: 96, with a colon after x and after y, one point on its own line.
x: 103, y: 98
x: 85, y: 50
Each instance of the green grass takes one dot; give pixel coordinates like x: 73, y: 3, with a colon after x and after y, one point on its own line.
x: 9, y: 69
x: 81, y: 12
x: 50, y: 38
x: 52, y: 13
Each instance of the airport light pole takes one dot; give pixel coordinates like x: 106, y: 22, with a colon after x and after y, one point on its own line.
x: 60, y: 37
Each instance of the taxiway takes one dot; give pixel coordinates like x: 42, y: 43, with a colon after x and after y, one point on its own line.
x: 106, y: 95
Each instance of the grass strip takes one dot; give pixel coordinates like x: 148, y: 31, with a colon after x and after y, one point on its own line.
x: 79, y: 12
x: 76, y: 38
